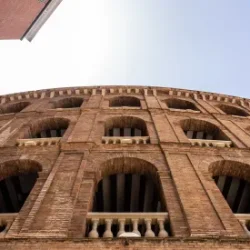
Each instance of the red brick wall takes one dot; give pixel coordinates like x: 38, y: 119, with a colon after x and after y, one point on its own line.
x: 17, y: 15
x: 62, y: 197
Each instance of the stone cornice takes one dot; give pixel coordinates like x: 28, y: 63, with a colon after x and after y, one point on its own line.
x: 126, y: 90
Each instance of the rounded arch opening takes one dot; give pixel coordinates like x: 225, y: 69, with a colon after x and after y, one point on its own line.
x: 129, y: 185
x: 199, y: 129
x: 13, y: 107
x: 124, y: 101
x: 231, y: 110
x: 232, y: 178
x: 175, y: 103
x: 18, y: 178
x: 46, y: 128
x: 72, y: 102
x: 125, y: 126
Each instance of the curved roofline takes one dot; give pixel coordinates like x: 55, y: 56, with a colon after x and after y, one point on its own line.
x: 122, y: 89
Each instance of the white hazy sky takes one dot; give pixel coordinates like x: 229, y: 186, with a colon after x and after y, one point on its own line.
x: 202, y: 45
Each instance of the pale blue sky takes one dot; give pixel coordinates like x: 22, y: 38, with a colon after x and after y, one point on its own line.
x: 192, y: 44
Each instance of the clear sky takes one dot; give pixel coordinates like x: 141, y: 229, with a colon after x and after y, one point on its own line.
x: 192, y: 44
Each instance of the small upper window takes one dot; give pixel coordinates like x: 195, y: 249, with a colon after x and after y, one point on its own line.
x: 124, y: 101
x: 13, y: 107
x: 231, y: 110
x: 125, y: 126
x: 73, y: 102
x: 175, y: 103
x: 199, y: 129
x: 47, y: 128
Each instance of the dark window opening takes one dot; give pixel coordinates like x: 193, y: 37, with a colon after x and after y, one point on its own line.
x: 200, y: 129
x: 125, y: 126
x: 231, y: 110
x: 13, y: 108
x: 14, y: 191
x: 74, y: 102
x: 236, y: 192
x: 48, y: 128
x: 174, y: 103
x: 124, y: 101
x: 3, y: 225
x: 127, y: 193
x: 199, y: 135
x: 50, y: 133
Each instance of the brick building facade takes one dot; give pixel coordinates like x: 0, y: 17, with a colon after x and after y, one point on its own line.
x: 23, y: 18
x: 124, y: 168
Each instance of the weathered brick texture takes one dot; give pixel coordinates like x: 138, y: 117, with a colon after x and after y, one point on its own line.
x: 54, y: 214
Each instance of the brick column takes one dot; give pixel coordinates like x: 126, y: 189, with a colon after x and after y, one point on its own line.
x: 200, y: 214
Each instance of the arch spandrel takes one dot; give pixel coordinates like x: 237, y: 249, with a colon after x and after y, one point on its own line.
x: 205, y: 163
x: 15, y: 167
x: 157, y: 161
x: 239, y: 169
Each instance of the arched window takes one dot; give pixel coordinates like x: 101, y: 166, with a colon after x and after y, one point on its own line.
x: 232, y: 179
x: 125, y: 126
x: 199, y: 129
x: 231, y: 110
x: 129, y: 187
x: 124, y: 101
x: 46, y: 128
x: 13, y: 107
x: 128, y: 192
x: 72, y: 102
x: 17, y: 181
x: 175, y: 103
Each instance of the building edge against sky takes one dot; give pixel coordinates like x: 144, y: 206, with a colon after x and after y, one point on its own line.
x: 23, y: 19
x: 124, y: 167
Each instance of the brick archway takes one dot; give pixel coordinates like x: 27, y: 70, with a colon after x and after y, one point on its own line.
x: 15, y: 167
x: 70, y: 102
x: 18, y: 178
x: 13, y: 107
x: 48, y: 127
x: 124, y: 101
x: 175, y: 103
x: 194, y: 128
x: 232, y: 110
x: 136, y: 126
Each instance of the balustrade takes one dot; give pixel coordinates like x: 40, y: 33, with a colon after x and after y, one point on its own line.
x: 112, y: 225
x: 184, y: 110
x: 211, y: 143
x: 125, y: 139
x: 38, y: 141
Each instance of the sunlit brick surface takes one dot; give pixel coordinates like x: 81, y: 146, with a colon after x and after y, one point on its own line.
x: 54, y: 215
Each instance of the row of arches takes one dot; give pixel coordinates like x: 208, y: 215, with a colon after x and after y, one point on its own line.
x: 124, y: 101
x: 126, y: 185
x: 124, y: 126
x: 65, y: 103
